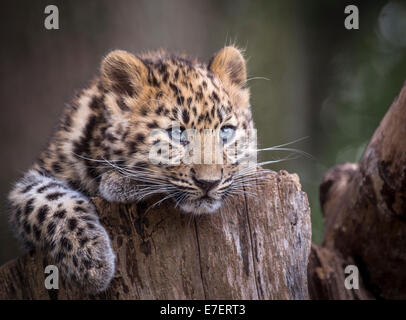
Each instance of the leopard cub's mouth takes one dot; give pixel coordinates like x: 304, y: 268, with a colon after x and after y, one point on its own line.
x: 202, y: 205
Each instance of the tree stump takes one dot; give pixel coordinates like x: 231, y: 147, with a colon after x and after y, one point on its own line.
x: 256, y: 247
x: 365, y: 217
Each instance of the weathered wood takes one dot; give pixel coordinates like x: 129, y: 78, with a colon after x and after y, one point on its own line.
x: 326, y: 276
x: 365, y: 209
x: 256, y: 247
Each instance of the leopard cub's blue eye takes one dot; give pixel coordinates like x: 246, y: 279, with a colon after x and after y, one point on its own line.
x: 178, y: 135
x: 227, y: 133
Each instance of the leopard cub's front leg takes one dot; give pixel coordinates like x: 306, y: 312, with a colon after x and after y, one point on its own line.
x: 115, y: 187
x: 48, y: 215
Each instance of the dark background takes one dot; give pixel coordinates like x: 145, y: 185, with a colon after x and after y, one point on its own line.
x: 331, y: 84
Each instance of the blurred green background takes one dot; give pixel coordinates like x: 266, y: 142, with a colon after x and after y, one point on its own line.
x: 326, y: 82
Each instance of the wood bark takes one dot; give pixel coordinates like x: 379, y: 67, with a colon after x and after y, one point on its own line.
x: 256, y: 247
x: 364, y: 206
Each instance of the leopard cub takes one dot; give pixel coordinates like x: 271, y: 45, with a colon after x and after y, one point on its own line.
x: 102, y: 148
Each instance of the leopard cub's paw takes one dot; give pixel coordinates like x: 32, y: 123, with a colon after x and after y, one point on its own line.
x: 91, y: 262
x: 114, y: 187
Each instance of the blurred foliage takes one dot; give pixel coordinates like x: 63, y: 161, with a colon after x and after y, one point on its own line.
x: 322, y: 81
x: 327, y: 83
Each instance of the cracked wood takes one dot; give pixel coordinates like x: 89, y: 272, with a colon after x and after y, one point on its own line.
x: 256, y: 247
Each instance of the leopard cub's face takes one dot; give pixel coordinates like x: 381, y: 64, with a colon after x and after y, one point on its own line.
x: 180, y: 128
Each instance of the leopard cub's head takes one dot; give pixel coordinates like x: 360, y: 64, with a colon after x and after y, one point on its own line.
x: 179, y: 127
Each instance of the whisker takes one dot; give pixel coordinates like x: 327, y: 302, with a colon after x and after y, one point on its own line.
x: 291, y: 142
x: 277, y: 161
x: 159, y: 202
x: 91, y: 159
x: 287, y: 149
x: 256, y: 78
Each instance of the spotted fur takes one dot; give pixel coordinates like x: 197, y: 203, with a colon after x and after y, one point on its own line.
x: 112, y: 120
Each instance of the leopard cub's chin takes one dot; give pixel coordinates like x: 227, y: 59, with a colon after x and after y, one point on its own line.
x: 201, y: 206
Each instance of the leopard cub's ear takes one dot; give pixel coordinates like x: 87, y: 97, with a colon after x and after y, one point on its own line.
x: 229, y: 65
x: 123, y: 73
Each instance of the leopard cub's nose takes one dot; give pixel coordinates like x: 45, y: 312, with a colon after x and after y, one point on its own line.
x: 206, y: 185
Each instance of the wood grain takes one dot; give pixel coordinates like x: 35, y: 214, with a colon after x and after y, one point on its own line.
x: 365, y: 211
x: 256, y: 247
